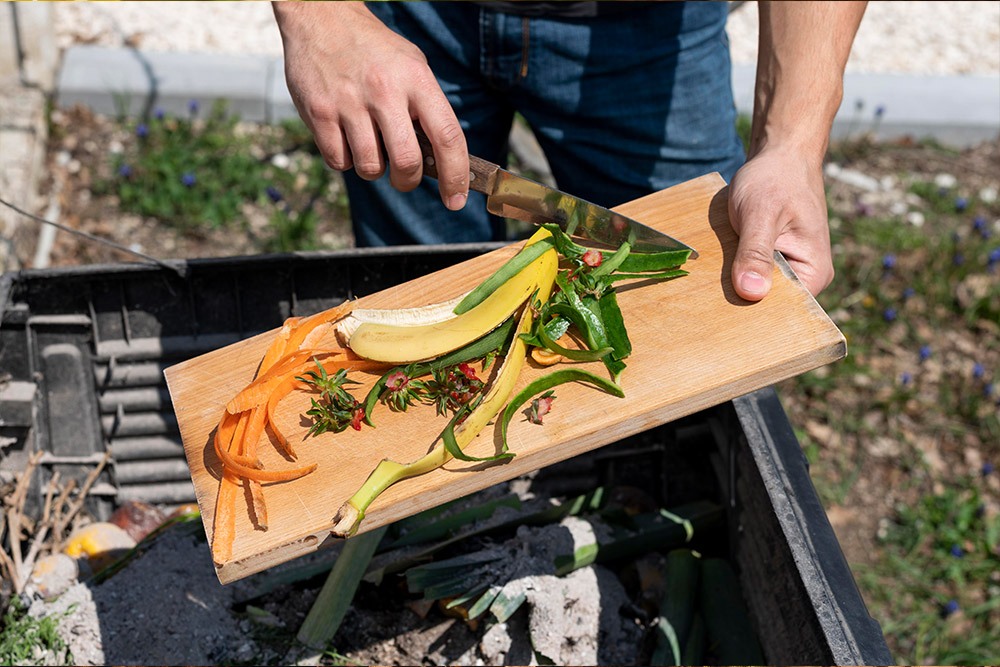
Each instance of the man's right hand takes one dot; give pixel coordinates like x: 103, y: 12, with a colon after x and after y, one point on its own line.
x: 359, y: 86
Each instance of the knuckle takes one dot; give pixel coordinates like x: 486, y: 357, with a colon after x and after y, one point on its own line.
x: 320, y: 110
x: 368, y: 169
x: 450, y: 136
x: 406, y: 161
x: 380, y: 86
x: 338, y: 163
x: 756, y: 254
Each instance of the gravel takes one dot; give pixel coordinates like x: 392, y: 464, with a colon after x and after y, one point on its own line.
x: 895, y: 37
x: 940, y: 38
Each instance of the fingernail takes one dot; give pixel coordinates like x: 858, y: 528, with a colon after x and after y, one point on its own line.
x: 455, y: 202
x: 752, y: 282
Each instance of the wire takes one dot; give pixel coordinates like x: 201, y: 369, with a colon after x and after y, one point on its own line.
x: 97, y: 239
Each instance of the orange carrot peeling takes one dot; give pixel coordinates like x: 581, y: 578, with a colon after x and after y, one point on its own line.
x: 254, y: 430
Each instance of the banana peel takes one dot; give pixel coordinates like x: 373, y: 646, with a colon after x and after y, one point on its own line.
x: 539, y: 276
x: 388, y: 472
x: 401, y: 344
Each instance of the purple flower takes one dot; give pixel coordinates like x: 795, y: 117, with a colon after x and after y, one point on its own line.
x: 987, y: 468
x: 908, y: 293
x: 188, y: 179
x: 951, y: 607
x: 942, y: 191
x: 889, y: 261
x: 925, y: 352
x: 273, y: 194
x: 986, y: 234
x: 958, y: 259
x: 979, y: 223
x: 988, y: 389
x: 978, y: 370
x: 125, y: 171
x: 879, y: 110
x: 159, y: 114
x: 863, y: 209
x: 889, y: 314
x: 141, y: 130
x: 961, y: 203
x: 193, y: 107
x: 956, y: 237
x: 994, y: 256
x: 957, y: 551
x: 905, y: 378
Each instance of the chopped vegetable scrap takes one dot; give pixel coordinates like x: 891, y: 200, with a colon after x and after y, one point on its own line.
x: 336, y: 408
x: 248, y: 414
x: 540, y: 407
x: 426, y: 356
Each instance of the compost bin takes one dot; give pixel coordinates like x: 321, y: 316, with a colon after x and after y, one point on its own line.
x: 82, y: 354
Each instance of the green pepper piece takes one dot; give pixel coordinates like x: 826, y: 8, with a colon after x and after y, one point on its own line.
x: 564, y: 245
x: 614, y: 325
x: 614, y: 366
x: 450, y: 444
x: 554, y: 329
x: 575, y: 355
x: 549, y: 381
x: 611, y: 263
x: 676, y: 273
x: 593, y: 331
x: 655, y: 261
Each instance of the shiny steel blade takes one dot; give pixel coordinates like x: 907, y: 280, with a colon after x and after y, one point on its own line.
x: 524, y: 199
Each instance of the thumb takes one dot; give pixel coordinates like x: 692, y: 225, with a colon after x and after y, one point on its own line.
x: 754, y: 263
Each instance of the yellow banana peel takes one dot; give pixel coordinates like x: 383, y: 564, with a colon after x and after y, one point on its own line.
x: 400, y: 344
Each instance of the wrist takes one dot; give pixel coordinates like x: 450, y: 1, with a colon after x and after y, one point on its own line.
x: 795, y: 122
x: 293, y: 17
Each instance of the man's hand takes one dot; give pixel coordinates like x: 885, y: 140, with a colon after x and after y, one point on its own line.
x: 776, y: 200
x: 359, y: 86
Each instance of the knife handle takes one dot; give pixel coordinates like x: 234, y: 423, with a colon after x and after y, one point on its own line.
x: 482, y: 174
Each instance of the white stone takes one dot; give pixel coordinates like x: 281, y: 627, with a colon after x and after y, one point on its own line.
x: 281, y: 161
x: 53, y: 575
x: 856, y: 179
x: 945, y: 181
x: 915, y: 218
x: 988, y: 195
x: 898, y: 208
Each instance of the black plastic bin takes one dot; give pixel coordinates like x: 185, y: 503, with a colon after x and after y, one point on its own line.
x: 82, y: 353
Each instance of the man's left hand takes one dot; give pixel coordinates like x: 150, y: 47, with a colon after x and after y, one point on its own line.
x: 777, y: 202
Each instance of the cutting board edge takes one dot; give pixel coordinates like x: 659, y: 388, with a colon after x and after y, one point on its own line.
x: 465, y: 484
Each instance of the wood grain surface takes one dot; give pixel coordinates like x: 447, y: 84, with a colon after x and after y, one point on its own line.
x: 695, y: 344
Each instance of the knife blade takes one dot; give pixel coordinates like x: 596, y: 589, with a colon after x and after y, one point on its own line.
x: 511, y: 195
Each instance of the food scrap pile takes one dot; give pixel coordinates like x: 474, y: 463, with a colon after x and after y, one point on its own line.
x: 424, y: 355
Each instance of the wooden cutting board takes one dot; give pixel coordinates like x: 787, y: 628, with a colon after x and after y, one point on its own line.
x: 695, y: 344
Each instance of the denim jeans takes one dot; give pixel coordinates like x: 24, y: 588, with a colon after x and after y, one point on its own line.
x: 623, y: 105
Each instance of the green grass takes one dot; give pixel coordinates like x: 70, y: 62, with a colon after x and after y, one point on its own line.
x: 936, y: 582
x: 900, y: 288
x: 21, y: 635
x: 199, y: 174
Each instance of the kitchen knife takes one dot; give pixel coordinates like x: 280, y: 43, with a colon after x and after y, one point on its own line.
x: 512, y: 196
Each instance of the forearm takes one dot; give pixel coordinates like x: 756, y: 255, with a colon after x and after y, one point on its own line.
x: 802, y: 53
